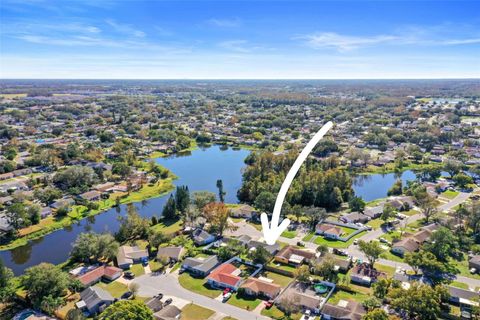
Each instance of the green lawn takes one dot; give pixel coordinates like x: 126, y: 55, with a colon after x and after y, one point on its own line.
x: 289, y: 234
x: 137, y: 269
x: 344, y: 295
x: 282, y: 266
x: 390, y: 256
x: 278, y: 278
x: 462, y: 266
x: 197, y: 285
x: 336, y: 243
x: 450, y: 194
x: 375, y: 223
x: 308, y: 237
x: 460, y: 285
x: 168, y: 226
x: 387, y: 269
x: 277, y: 314
x: 195, y: 312
x: 115, y: 288
x: 244, y: 302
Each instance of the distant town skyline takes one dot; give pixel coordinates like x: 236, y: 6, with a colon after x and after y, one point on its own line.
x: 239, y: 40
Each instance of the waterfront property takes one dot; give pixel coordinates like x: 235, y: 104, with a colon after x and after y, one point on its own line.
x: 94, y: 300
x: 128, y: 255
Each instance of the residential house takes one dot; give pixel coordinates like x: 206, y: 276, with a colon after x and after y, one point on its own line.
x: 373, y: 212
x: 108, y: 273
x: 460, y: 296
x: 474, y: 262
x: 45, y: 212
x: 225, y: 276
x: 405, y: 245
x: 355, y: 217
x: 155, y: 304
x: 304, y: 297
x: 365, y: 274
x: 343, y: 310
x: 260, y: 288
x: 91, y: 195
x: 173, y: 254
x: 170, y: 312
x: 200, y: 267
x: 294, y: 255
x: 202, y: 237
x: 244, y: 211
x: 329, y: 231
x: 128, y: 255
x: 94, y: 300
x: 66, y: 202
x: 272, y: 249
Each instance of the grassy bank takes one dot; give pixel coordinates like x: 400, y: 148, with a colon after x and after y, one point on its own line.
x: 79, y: 212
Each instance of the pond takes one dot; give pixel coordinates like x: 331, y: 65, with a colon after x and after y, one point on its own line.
x: 375, y: 186
x: 198, y: 169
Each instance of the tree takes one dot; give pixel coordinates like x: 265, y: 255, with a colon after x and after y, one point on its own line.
x: 371, y: 303
x: 260, y: 255
x: 452, y: 167
x: 462, y: 180
x: 75, y: 179
x: 290, y: 305
x: 265, y: 201
x: 134, y: 287
x: 381, y: 287
x: 183, y: 142
x: 156, y: 238
x: 122, y: 169
x: 302, y: 274
x: 326, y: 269
x: 419, y: 301
x: 221, y: 193
x: 127, y: 310
x: 356, y: 204
x: 75, y: 314
x: 396, y: 189
x: 372, y: 250
x: 44, y: 280
x: 388, y: 212
x: 426, y: 203
x: 217, y: 214
x: 414, y: 260
x: 202, y: 198
x: 132, y: 226
x: 315, y: 215
x: 376, y: 314
x: 47, y: 195
x: 7, y: 290
x: 443, y: 244
x: 170, y: 209
x: 182, y: 198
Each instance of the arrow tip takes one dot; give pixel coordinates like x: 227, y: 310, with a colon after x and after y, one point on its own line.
x: 272, y: 233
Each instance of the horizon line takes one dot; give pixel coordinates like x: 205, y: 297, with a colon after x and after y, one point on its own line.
x: 242, y: 79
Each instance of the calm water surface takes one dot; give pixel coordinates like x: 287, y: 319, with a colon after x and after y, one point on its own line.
x: 375, y: 186
x: 199, y: 170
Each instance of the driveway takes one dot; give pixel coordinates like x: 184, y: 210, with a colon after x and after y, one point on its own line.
x: 150, y: 285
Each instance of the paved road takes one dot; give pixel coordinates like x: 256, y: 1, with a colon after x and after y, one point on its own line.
x: 460, y: 198
x: 150, y: 285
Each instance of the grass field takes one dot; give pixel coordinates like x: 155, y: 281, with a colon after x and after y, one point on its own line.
x: 450, y: 194
x: 168, y: 226
x: 244, y: 302
x: 336, y: 243
x: 195, y: 312
x: 278, y: 278
x: 308, y: 237
x: 137, y: 269
x: 197, y: 285
x: 115, y: 288
x: 289, y: 234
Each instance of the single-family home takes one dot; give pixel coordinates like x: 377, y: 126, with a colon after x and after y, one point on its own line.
x: 200, y: 267
x: 405, y: 245
x: 128, y: 255
x: 170, y: 312
x: 243, y: 211
x: 294, y: 255
x: 374, y: 212
x: 225, y: 276
x: 45, y: 212
x: 108, y: 273
x: 365, y: 274
x: 460, y: 296
x: 65, y: 202
x: 155, y: 304
x: 474, y: 262
x: 329, y: 231
x: 343, y: 310
x: 92, y: 195
x: 303, y: 295
x: 173, y: 254
x: 272, y: 249
x: 202, y: 237
x: 261, y: 288
x: 94, y: 300
x: 355, y: 217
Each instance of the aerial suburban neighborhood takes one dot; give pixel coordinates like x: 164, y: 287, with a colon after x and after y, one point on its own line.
x: 385, y: 210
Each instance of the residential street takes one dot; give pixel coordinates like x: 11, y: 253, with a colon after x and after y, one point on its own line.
x: 150, y: 285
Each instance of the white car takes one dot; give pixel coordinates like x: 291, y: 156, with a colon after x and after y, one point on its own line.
x: 227, y: 296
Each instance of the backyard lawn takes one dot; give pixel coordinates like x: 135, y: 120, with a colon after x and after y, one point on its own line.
x: 279, y: 279
x: 195, y: 312
x: 277, y: 314
x: 336, y: 243
x: 197, y: 285
x: 244, y: 302
x: 115, y: 288
x: 168, y: 226
x: 344, y: 295
x: 375, y: 223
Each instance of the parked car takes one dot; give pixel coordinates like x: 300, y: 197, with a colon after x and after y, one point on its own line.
x: 159, y: 296
x: 129, y: 275
x: 301, y: 244
x: 167, y: 302
x: 268, y: 304
x: 126, y: 295
x: 226, y: 296
x: 227, y: 290
x: 355, y: 242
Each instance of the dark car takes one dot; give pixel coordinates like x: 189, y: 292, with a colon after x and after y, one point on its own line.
x: 129, y: 275
x: 159, y: 296
x: 167, y: 302
x: 126, y: 295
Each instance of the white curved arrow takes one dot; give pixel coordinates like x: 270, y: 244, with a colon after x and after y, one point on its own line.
x: 271, y: 231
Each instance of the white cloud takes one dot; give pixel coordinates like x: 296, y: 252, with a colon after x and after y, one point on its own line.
x: 343, y: 42
x: 125, y: 28
x: 235, y: 45
x: 225, y: 23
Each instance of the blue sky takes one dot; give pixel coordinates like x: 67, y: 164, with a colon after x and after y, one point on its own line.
x: 239, y: 40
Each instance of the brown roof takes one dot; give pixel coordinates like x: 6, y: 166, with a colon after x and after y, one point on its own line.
x: 422, y: 236
x: 224, y: 274
x: 95, y: 275
x: 260, y: 286
x: 288, y: 251
x: 331, y: 229
x: 344, y: 310
x: 408, y: 244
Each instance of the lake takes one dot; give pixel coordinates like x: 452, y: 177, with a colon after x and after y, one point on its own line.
x: 199, y: 169
x: 375, y: 186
